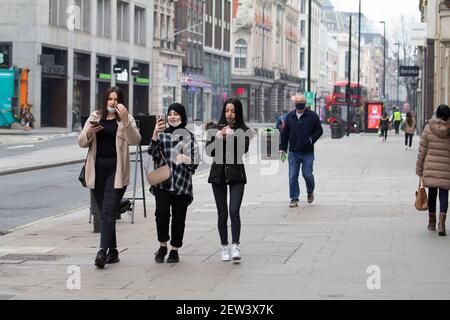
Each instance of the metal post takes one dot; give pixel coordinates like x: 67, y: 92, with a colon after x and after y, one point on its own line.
x: 309, y: 42
x: 384, y: 58
x: 359, y: 52
x: 348, y: 92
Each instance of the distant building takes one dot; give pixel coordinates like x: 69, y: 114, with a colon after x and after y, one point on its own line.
x: 72, y: 49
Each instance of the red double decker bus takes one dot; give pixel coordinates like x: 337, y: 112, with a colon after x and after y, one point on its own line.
x: 337, y: 106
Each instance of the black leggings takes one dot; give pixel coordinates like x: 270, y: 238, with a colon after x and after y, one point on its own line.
x: 236, y: 196
x: 108, y: 200
x: 179, y: 203
x: 410, y: 138
x: 384, y: 133
x: 443, y: 200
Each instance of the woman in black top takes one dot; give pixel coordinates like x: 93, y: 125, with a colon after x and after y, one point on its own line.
x: 228, y: 145
x: 108, y: 133
x: 173, y: 196
x: 384, y: 125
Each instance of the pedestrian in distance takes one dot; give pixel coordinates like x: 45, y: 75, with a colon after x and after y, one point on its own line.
x: 228, y: 142
x: 107, y: 133
x: 384, y: 126
x: 433, y: 166
x: 409, y: 126
x: 397, y: 119
x: 301, y: 132
x: 176, y: 146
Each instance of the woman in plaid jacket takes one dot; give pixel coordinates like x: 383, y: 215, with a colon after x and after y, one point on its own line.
x: 177, y: 147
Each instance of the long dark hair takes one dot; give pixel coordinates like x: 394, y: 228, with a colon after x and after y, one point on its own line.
x: 239, y: 112
x: 409, y: 119
x: 120, y: 99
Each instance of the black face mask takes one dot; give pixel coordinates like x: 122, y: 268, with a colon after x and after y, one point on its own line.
x: 300, y: 106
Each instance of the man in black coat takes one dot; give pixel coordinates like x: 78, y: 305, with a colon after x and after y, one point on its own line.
x: 302, y: 130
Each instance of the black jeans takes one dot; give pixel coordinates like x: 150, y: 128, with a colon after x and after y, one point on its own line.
x: 408, y: 137
x: 236, y: 196
x: 179, y: 203
x: 108, y: 200
x: 397, y: 126
x: 443, y: 200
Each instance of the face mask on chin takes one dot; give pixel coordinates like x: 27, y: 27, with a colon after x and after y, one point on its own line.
x: 175, y: 124
x: 112, y: 110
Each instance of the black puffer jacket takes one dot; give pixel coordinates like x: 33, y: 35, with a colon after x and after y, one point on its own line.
x: 233, y: 170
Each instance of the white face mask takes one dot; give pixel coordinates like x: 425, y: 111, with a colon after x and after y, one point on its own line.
x: 111, y: 110
x: 175, y: 124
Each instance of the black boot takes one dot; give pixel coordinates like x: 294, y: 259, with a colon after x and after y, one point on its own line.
x: 173, y: 257
x: 113, y: 256
x: 100, y: 259
x: 160, y: 254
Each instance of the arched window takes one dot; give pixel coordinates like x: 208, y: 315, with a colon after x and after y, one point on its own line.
x: 240, y: 54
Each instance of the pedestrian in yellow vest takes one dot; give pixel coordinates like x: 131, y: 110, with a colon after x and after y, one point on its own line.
x: 397, y: 120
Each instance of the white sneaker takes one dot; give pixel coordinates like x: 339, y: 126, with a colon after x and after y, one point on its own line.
x: 225, y: 254
x: 235, y: 253
x: 406, y: 148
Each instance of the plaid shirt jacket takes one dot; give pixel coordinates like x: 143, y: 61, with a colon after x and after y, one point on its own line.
x: 172, y: 145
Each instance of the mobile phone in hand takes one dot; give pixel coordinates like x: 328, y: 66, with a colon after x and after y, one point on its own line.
x: 94, y: 123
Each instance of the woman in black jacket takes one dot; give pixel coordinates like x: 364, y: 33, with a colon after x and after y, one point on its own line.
x: 228, y: 145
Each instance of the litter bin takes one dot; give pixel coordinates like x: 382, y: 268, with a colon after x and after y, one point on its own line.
x: 336, y: 130
x: 269, y: 143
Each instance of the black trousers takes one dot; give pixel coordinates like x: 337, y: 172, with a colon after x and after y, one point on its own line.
x: 397, y: 126
x: 179, y: 204
x: 408, y: 137
x: 236, y: 196
x: 384, y: 133
x: 108, y: 200
x: 443, y: 200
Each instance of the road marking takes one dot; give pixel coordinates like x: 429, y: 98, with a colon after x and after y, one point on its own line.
x: 19, y: 147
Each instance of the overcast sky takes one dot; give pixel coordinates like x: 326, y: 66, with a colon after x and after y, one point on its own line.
x: 386, y: 10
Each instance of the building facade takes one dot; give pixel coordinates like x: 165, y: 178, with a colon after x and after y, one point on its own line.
x: 73, y: 48
x: 217, y: 57
x: 434, y: 59
x: 189, y: 20
x: 167, y: 58
x: 266, y: 47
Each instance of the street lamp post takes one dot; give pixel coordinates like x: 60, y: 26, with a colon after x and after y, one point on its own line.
x: 309, y: 42
x: 384, y: 58
x: 398, y: 73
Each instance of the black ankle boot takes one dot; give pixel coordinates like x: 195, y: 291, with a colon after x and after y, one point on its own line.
x: 160, y: 254
x: 173, y: 257
x: 100, y: 259
x: 113, y: 256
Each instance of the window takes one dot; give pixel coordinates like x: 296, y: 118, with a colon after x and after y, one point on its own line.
x: 71, y: 14
x: 240, y: 54
x: 303, y: 28
x: 139, y: 26
x: 104, y: 18
x: 303, y: 6
x: 302, y: 59
x: 226, y: 72
x: 123, y: 21
x: 82, y: 15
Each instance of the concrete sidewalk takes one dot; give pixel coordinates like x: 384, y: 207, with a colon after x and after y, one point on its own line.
x: 363, y: 216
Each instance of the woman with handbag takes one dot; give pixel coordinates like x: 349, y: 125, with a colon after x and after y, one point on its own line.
x: 108, y: 133
x: 433, y: 166
x: 176, y: 148
x: 227, y: 146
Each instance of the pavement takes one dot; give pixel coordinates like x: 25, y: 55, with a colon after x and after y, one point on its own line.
x: 361, y: 239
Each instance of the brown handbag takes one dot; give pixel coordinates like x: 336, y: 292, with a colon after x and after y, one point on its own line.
x: 421, y: 197
x: 158, y: 175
